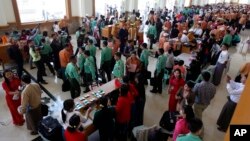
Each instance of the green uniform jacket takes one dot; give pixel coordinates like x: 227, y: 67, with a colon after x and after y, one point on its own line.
x: 227, y: 39
x: 71, y: 72
x: 35, y: 55
x: 37, y: 39
x: 89, y: 66
x: 46, y: 50
x: 188, y: 137
x: 152, y: 31
x: 81, y: 61
x: 92, y: 50
x: 106, y: 55
x: 161, y: 63
x: 118, y: 70
x: 144, y: 57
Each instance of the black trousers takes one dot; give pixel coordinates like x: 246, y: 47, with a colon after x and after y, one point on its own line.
x: 107, y: 69
x: 46, y: 60
x: 19, y: 69
x: 40, y: 70
x: 158, y: 82
x: 75, y: 89
x: 121, y: 131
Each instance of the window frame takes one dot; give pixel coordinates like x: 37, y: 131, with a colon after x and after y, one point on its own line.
x: 18, y: 19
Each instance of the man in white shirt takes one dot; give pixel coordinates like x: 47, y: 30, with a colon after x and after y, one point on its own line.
x: 234, y: 90
x: 184, y: 38
x: 221, y: 64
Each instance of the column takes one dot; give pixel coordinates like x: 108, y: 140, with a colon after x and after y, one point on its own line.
x: 162, y: 3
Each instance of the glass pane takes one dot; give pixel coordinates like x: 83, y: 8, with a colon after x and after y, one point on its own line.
x: 101, y: 6
x: 41, y: 10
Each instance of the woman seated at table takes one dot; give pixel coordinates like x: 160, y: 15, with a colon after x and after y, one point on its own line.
x: 72, y: 133
x: 68, y: 111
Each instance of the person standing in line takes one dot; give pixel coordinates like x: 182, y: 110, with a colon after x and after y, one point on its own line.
x: 234, y: 90
x: 118, y: 70
x: 11, y: 85
x: 106, y: 57
x: 144, y: 56
x: 73, y: 76
x: 123, y: 36
x: 159, y: 72
x: 221, y: 64
x: 36, y: 58
x: 46, y: 51
x: 64, y: 56
x: 31, y: 104
x: 204, y: 93
x: 89, y: 70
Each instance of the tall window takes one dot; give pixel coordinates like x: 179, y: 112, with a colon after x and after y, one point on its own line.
x: 41, y: 10
x: 243, y: 1
x: 104, y: 6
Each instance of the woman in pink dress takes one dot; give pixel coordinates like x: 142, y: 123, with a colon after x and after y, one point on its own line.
x: 181, y: 126
x: 13, y: 97
x: 176, y: 82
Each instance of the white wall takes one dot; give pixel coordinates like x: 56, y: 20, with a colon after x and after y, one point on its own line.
x: 75, y: 7
x: 9, y: 12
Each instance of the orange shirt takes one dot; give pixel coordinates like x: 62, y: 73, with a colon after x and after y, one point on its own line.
x: 4, y: 39
x: 162, y: 40
x: 64, y: 56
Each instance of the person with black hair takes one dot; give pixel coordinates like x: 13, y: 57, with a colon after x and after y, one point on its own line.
x: 204, y: 92
x: 180, y: 65
x: 68, y: 111
x: 31, y: 104
x: 71, y: 73
x: 118, y: 70
x: 123, y: 36
x: 36, y: 58
x: 181, y: 126
x: 174, y: 32
x: 72, y: 133
x: 234, y: 90
x: 159, y: 72
x: 152, y: 34
x: 106, y: 58
x: 89, y: 70
x: 11, y: 86
x: 185, y: 96
x: 195, y: 126
x: 15, y: 54
x: 46, y: 51
x: 221, y: 64
x: 56, y: 48
x: 123, y: 113
x: 104, y: 120
x: 133, y: 65
x: 144, y: 56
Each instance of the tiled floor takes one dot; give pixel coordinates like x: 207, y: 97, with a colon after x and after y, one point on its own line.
x: 155, y: 104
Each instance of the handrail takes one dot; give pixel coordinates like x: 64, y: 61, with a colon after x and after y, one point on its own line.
x: 241, y: 114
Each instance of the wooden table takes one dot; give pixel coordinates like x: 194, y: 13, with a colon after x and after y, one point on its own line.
x: 107, y: 88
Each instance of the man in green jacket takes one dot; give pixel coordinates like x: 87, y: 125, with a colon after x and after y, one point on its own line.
x: 152, y: 34
x: 89, y: 70
x: 144, y: 56
x: 118, y: 70
x: 227, y: 38
x: 159, y: 72
x: 73, y: 76
x: 46, y: 51
x: 106, y: 57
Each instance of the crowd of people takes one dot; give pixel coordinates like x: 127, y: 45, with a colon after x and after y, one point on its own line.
x: 208, y: 32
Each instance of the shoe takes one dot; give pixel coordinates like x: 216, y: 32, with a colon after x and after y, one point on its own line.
x: 43, y: 82
x: 32, y: 68
x: 159, y: 92
x: 44, y: 74
x: 86, y: 91
x: 221, y: 129
x: 153, y: 91
x: 33, y: 133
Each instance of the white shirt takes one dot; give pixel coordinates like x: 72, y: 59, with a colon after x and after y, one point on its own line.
x: 56, y: 28
x: 224, y: 56
x: 184, y: 38
x: 198, y: 31
x: 141, y: 28
x: 146, y: 29
x: 69, y: 115
x: 234, y: 90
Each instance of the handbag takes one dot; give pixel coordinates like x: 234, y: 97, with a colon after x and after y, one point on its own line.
x: 168, y: 120
x: 44, y: 109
